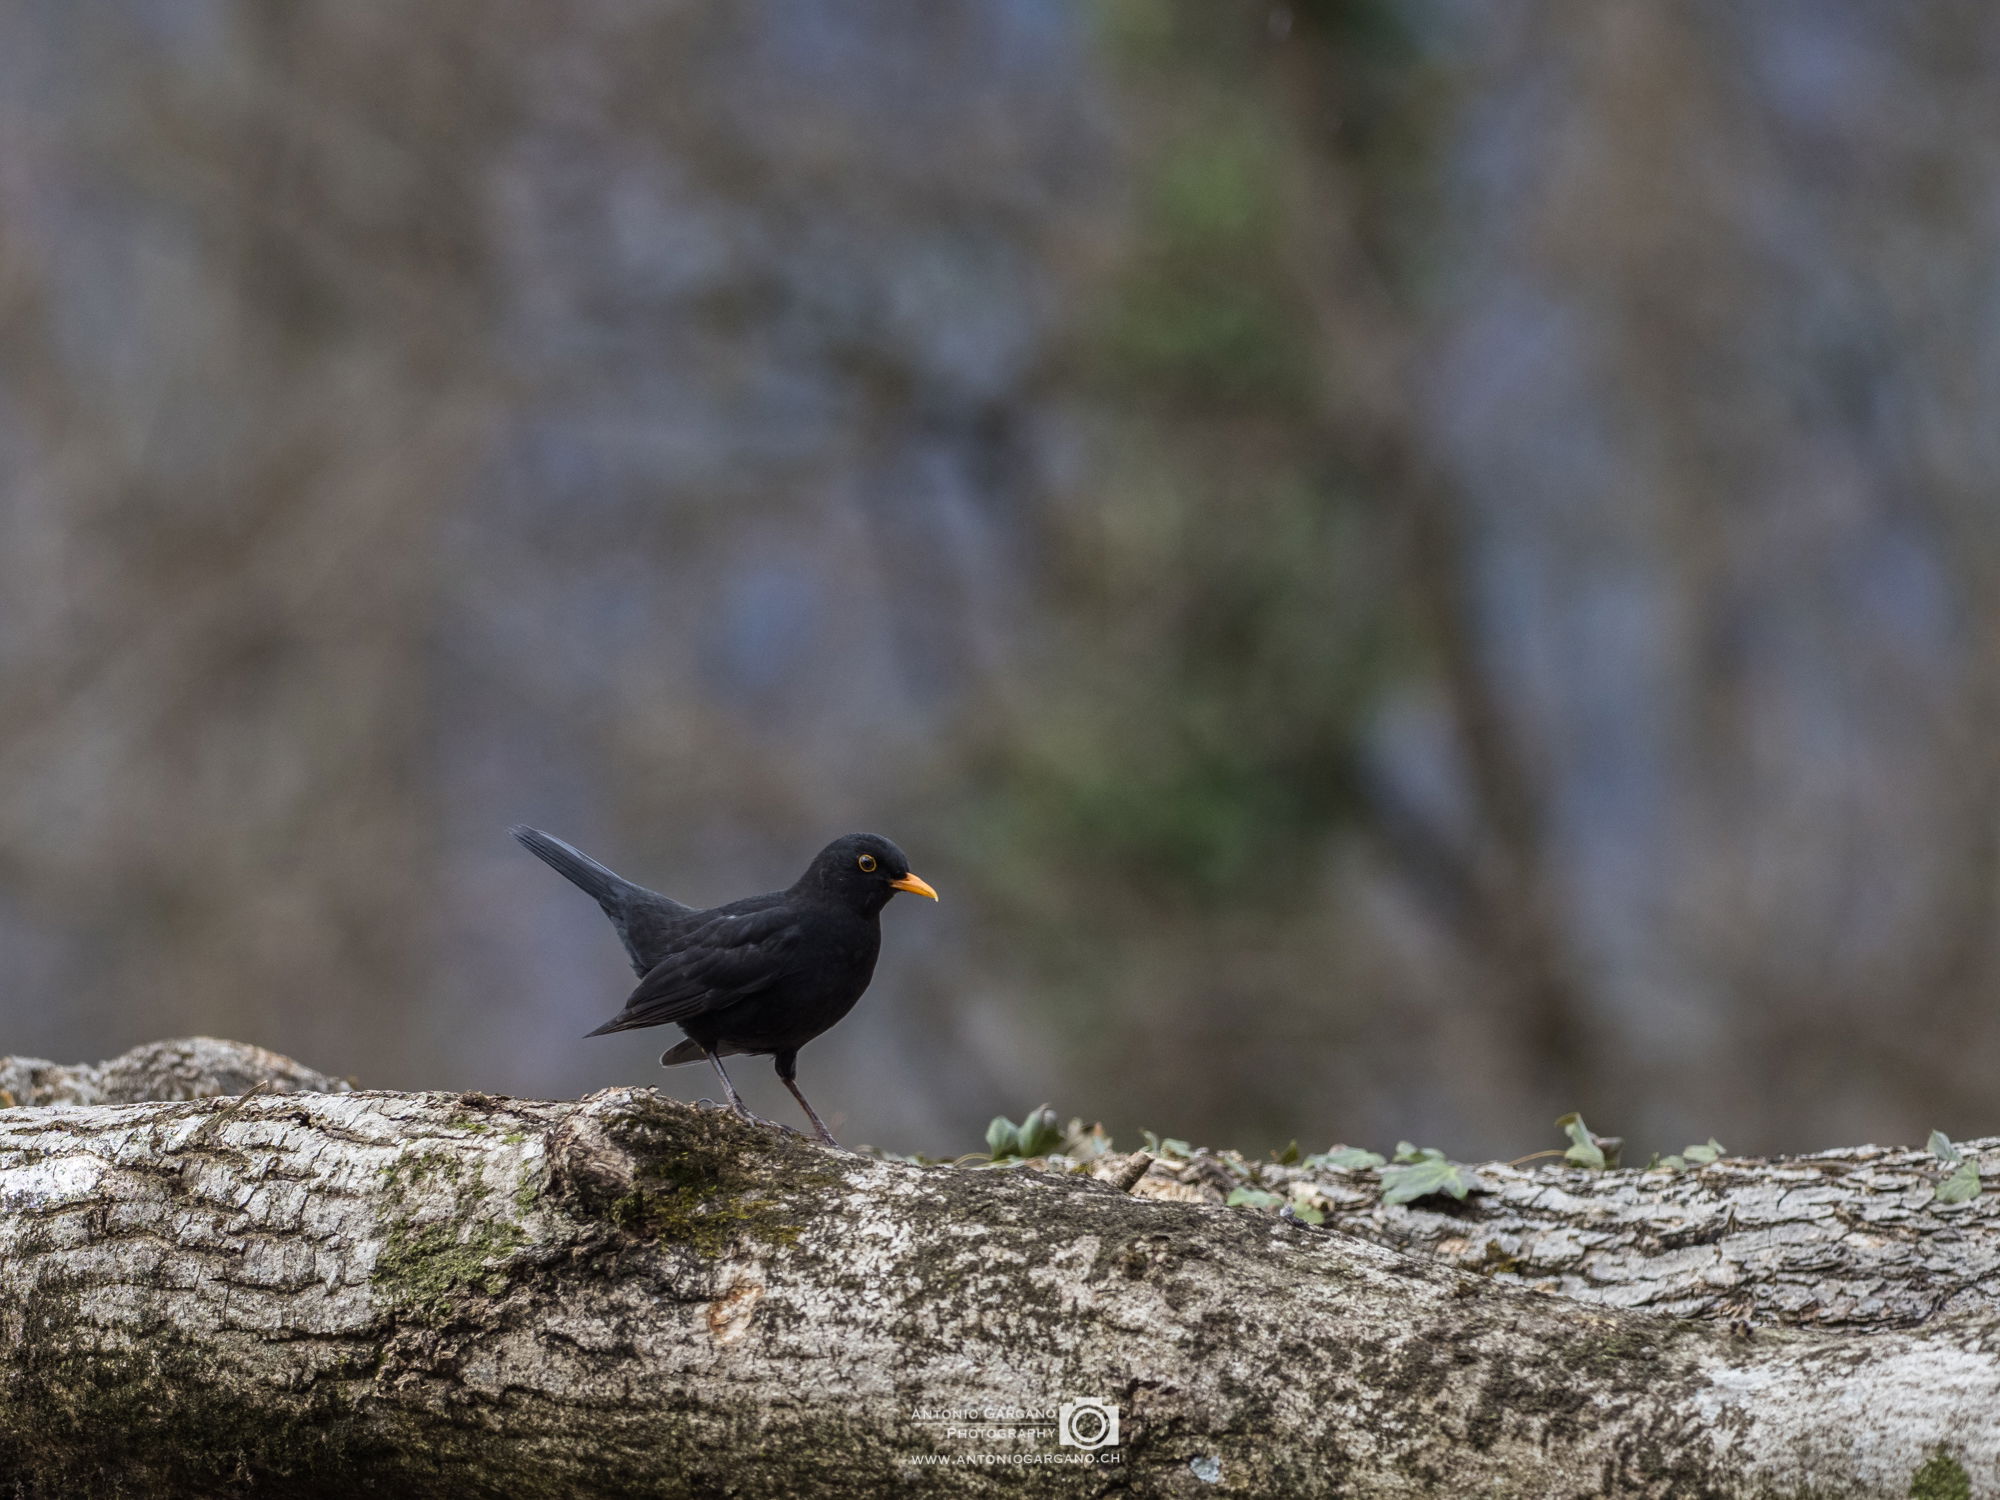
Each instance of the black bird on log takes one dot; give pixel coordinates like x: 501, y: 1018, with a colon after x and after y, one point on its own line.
x: 761, y: 976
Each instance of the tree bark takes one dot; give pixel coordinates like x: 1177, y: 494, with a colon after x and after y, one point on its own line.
x: 198, y: 1067
x: 456, y: 1294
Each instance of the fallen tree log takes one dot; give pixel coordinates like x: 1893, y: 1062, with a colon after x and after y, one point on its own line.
x: 455, y: 1294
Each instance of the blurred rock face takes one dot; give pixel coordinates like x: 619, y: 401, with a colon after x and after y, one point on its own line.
x: 1403, y: 569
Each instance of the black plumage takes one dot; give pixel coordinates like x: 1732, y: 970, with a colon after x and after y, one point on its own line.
x: 762, y: 976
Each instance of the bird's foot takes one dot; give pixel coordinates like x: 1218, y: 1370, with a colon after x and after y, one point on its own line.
x: 733, y: 1107
x: 743, y: 1112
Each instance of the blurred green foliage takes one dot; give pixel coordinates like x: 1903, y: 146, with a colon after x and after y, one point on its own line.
x: 1204, y: 321
x: 1225, y: 622
x: 1203, y: 749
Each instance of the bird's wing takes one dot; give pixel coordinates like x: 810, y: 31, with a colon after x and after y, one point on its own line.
x: 729, y: 955
x: 648, y: 925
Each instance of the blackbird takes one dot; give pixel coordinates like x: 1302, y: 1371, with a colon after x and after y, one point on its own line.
x: 762, y: 976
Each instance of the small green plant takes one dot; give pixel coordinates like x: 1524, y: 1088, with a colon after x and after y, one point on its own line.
x: 1248, y: 1197
x: 1691, y: 1156
x: 1037, y: 1135
x: 1596, y: 1152
x: 1420, y: 1171
x: 1168, y: 1147
x: 1961, y: 1184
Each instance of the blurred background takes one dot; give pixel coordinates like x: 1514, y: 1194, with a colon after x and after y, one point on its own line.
x: 1404, y: 565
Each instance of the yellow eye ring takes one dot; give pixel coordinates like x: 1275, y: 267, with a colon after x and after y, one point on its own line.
x: 867, y: 863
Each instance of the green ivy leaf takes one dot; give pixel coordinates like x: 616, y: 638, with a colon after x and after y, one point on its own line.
x: 1422, y: 1177
x: 1346, y: 1158
x: 1244, y: 1197
x: 1943, y: 1149
x: 1584, y: 1150
x: 1701, y: 1156
x: 1406, y: 1152
x: 1307, y: 1213
x: 1962, y: 1186
x: 1671, y: 1163
x: 1039, y: 1134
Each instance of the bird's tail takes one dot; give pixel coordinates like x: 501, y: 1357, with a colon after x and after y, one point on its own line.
x: 572, y: 864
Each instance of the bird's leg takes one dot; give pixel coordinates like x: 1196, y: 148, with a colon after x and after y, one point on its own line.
x: 728, y: 1089
x: 788, y: 1070
x: 819, y: 1125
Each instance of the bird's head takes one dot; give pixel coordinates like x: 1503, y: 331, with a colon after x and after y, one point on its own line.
x: 863, y: 870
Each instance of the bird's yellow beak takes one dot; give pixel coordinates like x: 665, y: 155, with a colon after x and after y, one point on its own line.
x: 915, y: 885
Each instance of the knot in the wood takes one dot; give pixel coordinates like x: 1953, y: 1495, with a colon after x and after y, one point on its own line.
x: 591, y: 1158
x: 660, y: 1168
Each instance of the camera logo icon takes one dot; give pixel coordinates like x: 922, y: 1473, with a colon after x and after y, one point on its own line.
x: 1089, y: 1423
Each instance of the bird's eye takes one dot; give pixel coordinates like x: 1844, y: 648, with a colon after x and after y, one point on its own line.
x: 867, y: 862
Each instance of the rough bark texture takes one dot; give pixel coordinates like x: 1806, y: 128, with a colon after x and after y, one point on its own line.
x: 1851, y: 1239
x: 196, y: 1067
x: 446, y: 1294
